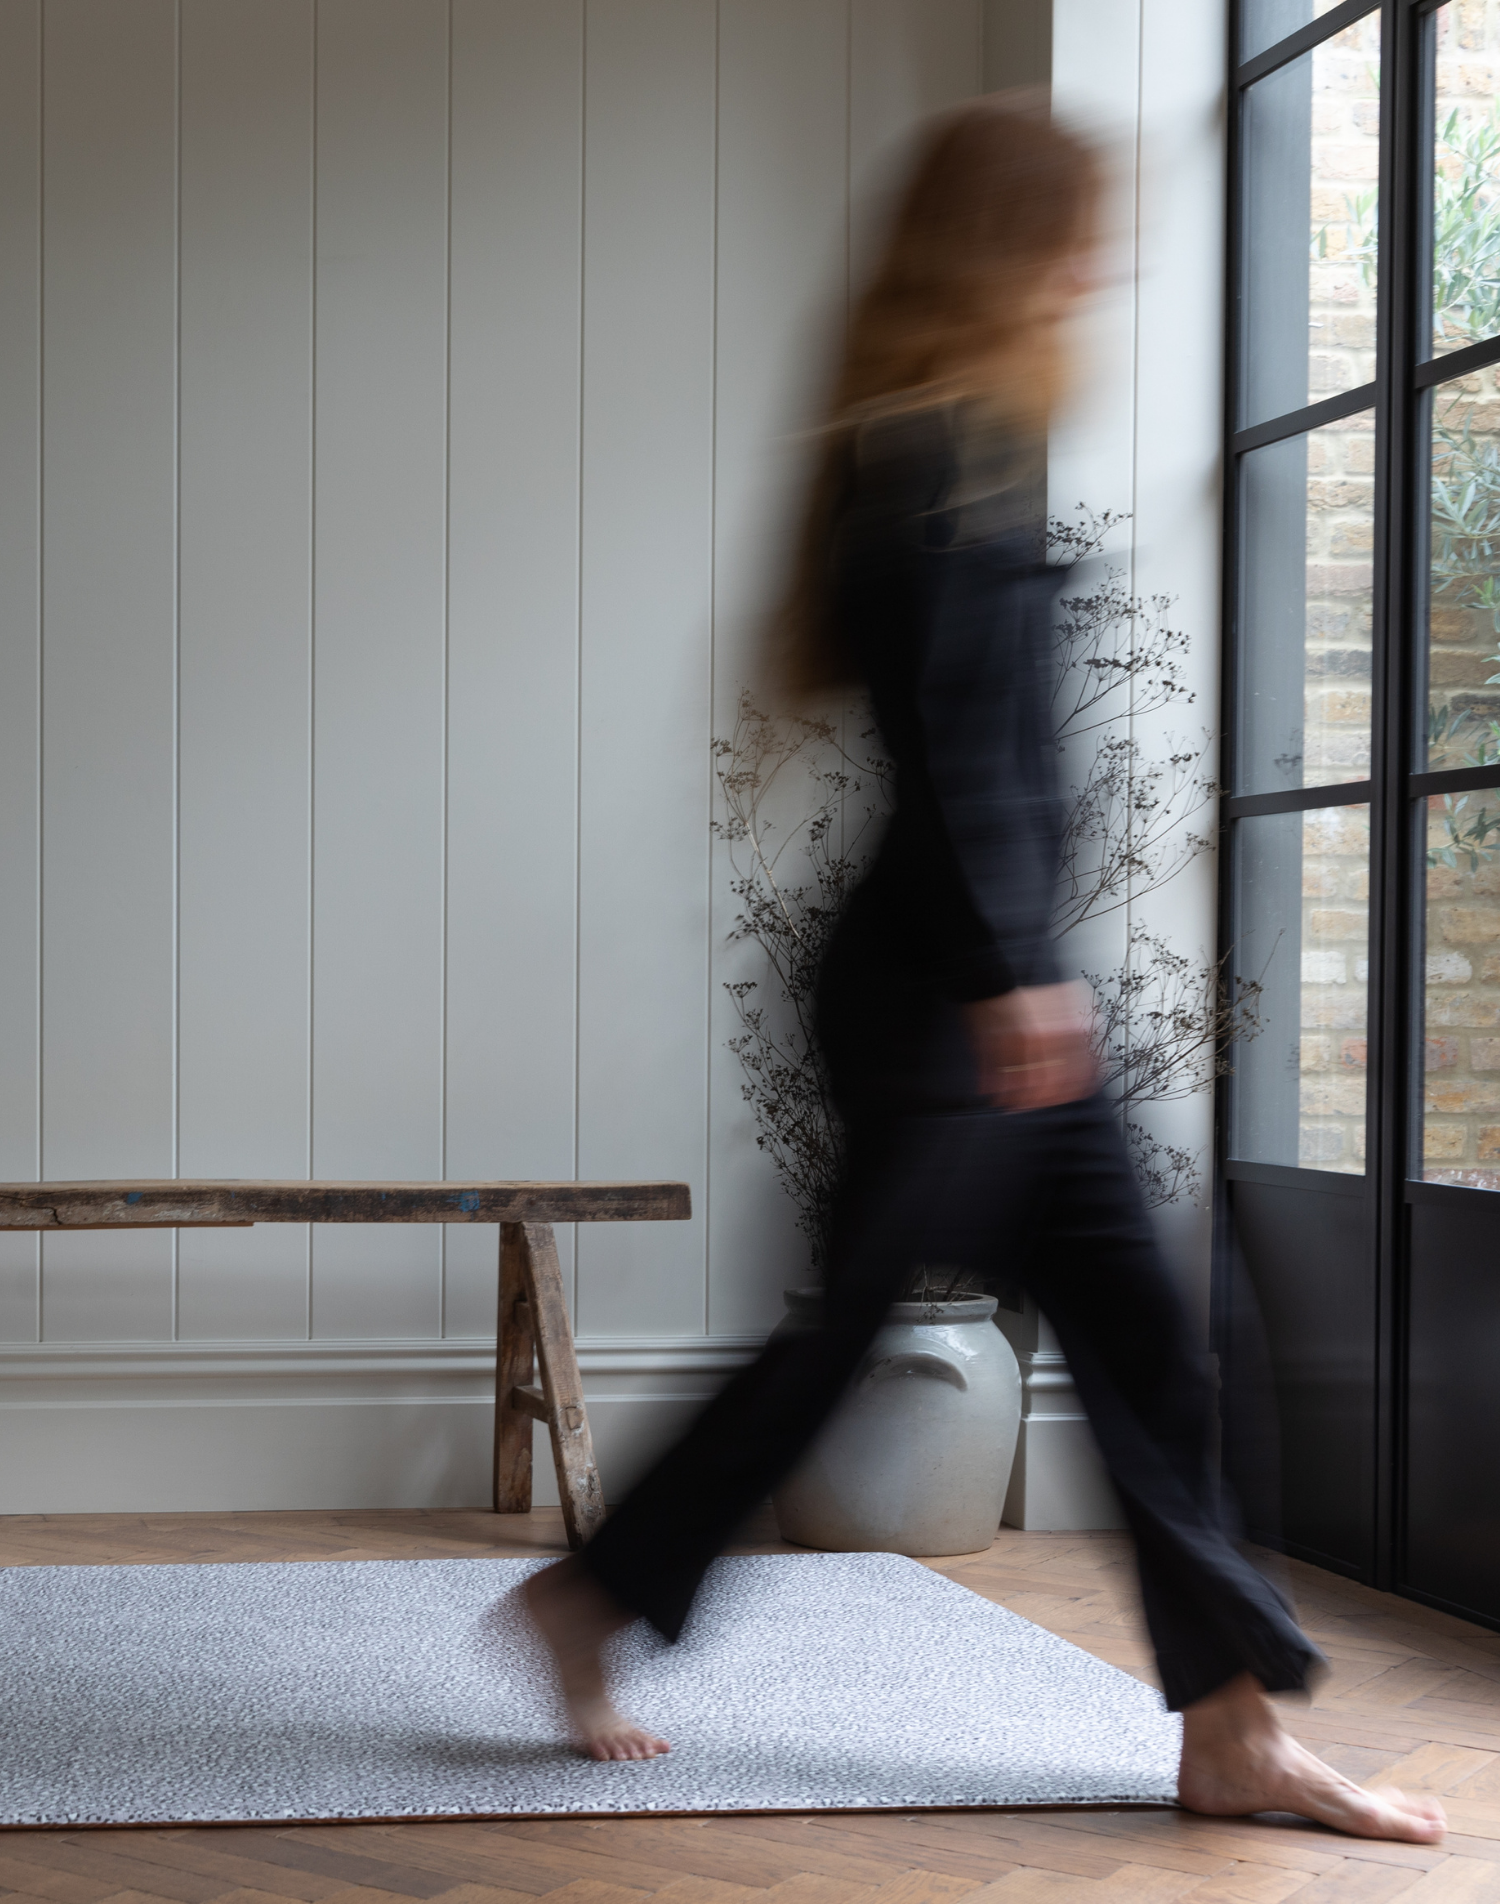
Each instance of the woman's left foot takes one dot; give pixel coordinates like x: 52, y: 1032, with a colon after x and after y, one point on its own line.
x: 1236, y: 1759
x: 575, y: 1616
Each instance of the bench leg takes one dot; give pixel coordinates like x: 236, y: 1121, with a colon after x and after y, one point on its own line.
x: 514, y: 1355
x: 562, y: 1389
x: 534, y: 1318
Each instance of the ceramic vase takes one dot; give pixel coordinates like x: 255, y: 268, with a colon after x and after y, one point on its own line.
x: 917, y: 1460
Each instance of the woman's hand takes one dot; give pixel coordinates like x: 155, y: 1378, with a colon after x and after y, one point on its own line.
x: 1033, y: 1046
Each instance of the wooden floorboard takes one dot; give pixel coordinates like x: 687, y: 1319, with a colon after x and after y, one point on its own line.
x: 1413, y: 1698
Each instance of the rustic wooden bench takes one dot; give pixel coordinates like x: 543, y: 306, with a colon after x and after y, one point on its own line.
x: 533, y: 1318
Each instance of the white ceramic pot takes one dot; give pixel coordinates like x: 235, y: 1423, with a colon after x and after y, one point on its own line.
x: 917, y: 1460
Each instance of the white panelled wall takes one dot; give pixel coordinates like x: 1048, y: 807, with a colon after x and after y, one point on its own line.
x: 398, y: 403
x: 1143, y: 438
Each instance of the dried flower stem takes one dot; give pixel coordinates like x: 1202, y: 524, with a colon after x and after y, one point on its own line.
x: 1164, y: 1023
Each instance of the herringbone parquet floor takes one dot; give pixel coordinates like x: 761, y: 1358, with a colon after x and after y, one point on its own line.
x: 1414, y: 1698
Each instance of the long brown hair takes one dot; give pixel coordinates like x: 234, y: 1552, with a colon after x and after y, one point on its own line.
x: 999, y: 192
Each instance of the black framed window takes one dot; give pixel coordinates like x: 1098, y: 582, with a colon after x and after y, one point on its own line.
x: 1362, y: 610
x: 1303, y: 527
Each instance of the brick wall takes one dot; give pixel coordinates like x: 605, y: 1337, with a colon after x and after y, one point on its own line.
x: 1461, y: 1134
x: 1462, y: 1062
x: 1340, y: 601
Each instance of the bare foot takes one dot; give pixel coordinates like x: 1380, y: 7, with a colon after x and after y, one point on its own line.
x: 575, y: 1616
x: 1236, y: 1759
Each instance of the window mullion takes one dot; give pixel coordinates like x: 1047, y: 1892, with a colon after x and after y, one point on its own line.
x: 1395, y: 954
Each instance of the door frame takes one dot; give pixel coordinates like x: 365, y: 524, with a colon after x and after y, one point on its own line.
x: 1395, y: 791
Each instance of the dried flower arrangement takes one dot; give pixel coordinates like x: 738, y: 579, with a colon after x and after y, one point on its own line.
x: 1164, y: 1023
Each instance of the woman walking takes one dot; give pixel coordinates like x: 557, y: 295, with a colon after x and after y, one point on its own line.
x: 961, y: 1063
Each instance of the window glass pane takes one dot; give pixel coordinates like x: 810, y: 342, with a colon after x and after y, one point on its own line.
x: 1311, y: 162
x: 1264, y: 22
x: 1461, y: 1056
x: 1466, y: 175
x: 1463, y: 603
x: 1306, y: 602
x: 1303, y: 884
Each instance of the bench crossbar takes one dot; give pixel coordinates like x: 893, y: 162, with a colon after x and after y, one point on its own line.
x: 184, y: 1203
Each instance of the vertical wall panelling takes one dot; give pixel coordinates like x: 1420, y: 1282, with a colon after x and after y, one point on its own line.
x: 20, y: 632
x: 1179, y: 367
x: 1059, y: 1480
x: 815, y: 103
x: 1142, y: 437
x: 379, y: 611
x: 419, y: 418
x: 1017, y: 43
x: 513, y: 612
x: 109, y: 590
x: 782, y: 227
x: 1096, y: 83
x: 246, y: 397
x: 1095, y: 72
x: 907, y: 60
x: 645, y: 713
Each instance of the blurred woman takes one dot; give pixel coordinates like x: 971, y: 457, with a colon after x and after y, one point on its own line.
x: 960, y: 1058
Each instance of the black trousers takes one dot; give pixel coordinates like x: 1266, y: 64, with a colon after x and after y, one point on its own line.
x: 1046, y: 1199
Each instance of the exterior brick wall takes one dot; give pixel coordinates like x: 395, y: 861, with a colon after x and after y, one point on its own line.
x: 1461, y: 1124
x: 1462, y: 1058
x: 1340, y: 602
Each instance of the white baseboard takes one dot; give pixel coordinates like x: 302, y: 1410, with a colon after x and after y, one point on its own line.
x: 198, y: 1426
x: 1059, y: 1483
x: 185, y: 1427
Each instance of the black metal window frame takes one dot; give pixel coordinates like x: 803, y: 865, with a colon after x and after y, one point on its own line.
x: 1399, y: 781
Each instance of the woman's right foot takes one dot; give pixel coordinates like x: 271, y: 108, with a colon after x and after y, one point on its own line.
x: 575, y: 1616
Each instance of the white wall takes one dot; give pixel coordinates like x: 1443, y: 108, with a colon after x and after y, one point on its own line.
x: 394, y: 404
x: 1144, y: 433
x: 1143, y: 437
x: 1017, y: 43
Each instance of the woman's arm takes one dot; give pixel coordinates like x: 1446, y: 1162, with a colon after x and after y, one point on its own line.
x: 954, y: 621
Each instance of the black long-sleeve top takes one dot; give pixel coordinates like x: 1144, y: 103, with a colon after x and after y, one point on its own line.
x: 945, y: 601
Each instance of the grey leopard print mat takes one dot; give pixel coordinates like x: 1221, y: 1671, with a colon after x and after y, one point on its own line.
x: 417, y: 1689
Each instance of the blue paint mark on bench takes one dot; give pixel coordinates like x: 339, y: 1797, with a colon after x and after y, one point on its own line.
x: 468, y: 1200
x: 132, y: 1196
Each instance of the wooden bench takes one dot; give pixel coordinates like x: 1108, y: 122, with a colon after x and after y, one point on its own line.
x: 533, y: 1318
